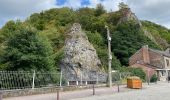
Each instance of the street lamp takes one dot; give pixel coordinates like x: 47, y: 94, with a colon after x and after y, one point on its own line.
x: 109, y: 57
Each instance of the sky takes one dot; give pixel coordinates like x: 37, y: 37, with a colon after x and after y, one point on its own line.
x: 153, y: 10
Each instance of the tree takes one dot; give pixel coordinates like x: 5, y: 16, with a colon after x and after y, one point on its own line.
x: 99, y: 10
x: 127, y: 39
x: 122, y: 5
x: 27, y: 50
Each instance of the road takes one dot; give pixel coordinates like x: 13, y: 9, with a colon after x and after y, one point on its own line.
x: 160, y: 91
x: 72, y: 94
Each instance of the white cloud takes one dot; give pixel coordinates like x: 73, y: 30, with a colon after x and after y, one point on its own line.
x: 108, y: 4
x: 153, y: 10
x: 21, y: 9
x: 72, y: 4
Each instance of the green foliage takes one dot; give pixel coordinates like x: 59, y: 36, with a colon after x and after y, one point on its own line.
x: 160, y: 33
x: 56, y: 17
x: 134, y: 72
x: 27, y: 50
x: 99, y: 10
x: 8, y: 30
x: 122, y: 5
x: 137, y: 72
x: 58, y: 56
x: 127, y: 39
x: 56, y: 36
x: 154, y: 78
x: 98, y: 42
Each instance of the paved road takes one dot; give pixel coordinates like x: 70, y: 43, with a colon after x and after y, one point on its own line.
x: 160, y: 91
x: 72, y: 94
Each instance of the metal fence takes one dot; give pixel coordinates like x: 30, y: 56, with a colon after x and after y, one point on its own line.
x: 24, y: 79
x: 10, y: 80
x: 120, y: 77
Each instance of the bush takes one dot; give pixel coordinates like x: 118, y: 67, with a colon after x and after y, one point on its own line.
x: 154, y: 78
x: 27, y: 50
x: 135, y: 72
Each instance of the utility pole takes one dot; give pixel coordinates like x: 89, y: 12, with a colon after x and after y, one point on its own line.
x: 109, y: 57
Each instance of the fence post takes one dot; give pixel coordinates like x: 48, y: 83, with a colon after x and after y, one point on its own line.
x: 77, y: 83
x: 148, y: 76
x: 58, y: 95
x: 81, y: 79
x: 97, y: 80
x: 118, y: 89
x: 1, y: 95
x: 33, y: 80
x: 68, y: 83
x: 61, y: 78
x: 93, y: 90
x: 86, y: 83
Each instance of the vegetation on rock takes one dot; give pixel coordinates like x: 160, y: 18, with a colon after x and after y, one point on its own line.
x: 39, y: 40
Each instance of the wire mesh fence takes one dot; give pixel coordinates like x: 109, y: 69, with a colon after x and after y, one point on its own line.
x: 24, y: 79
x: 10, y: 80
x: 120, y: 77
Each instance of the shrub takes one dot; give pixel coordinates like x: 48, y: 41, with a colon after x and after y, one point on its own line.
x: 153, y: 78
x: 135, y: 72
x: 27, y: 50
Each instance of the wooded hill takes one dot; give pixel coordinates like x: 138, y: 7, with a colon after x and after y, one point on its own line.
x: 37, y: 43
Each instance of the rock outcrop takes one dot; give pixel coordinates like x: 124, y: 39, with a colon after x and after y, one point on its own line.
x: 128, y: 15
x: 81, y: 60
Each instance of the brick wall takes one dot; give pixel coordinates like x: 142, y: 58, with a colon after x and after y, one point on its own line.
x: 145, y: 54
x: 141, y: 56
x: 155, y: 59
x: 137, y: 57
x: 149, y: 71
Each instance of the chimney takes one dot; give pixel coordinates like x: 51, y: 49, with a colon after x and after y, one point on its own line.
x: 145, y: 52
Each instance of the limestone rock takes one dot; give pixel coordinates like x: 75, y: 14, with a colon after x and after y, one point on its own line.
x: 128, y: 15
x: 81, y: 60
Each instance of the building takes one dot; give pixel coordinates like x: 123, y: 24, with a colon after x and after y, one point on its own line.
x: 152, y: 62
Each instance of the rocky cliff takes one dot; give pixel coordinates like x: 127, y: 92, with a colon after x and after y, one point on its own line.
x: 128, y: 15
x: 80, y: 57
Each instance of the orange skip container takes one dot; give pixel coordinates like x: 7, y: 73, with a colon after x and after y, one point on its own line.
x: 134, y: 83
